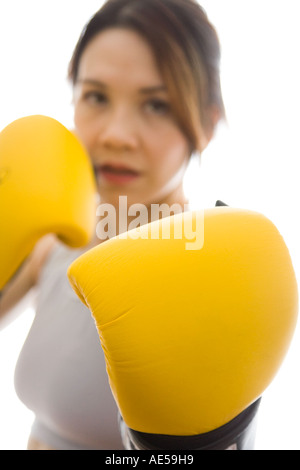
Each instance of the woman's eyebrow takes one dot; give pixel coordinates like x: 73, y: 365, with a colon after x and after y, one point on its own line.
x: 91, y: 81
x: 153, y: 89
x: 144, y: 90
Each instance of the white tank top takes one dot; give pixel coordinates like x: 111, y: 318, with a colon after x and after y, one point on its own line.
x: 61, y: 374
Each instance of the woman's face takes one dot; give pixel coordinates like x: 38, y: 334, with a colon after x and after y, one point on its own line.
x: 124, y: 119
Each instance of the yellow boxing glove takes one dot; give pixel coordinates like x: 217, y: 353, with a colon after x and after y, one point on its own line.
x: 191, y: 337
x: 46, y: 186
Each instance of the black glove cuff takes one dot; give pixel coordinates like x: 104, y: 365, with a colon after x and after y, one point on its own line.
x: 238, y: 434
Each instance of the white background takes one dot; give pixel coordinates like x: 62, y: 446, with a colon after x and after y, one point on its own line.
x: 252, y: 163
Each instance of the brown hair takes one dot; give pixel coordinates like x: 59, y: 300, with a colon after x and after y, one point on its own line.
x: 187, y: 51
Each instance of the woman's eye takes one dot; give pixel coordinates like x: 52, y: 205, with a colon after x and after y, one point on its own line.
x: 157, y: 106
x: 95, y: 97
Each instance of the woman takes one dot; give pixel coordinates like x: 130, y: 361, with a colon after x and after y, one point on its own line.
x: 147, y: 96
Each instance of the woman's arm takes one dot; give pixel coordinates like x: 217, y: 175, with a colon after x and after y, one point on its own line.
x: 26, y: 278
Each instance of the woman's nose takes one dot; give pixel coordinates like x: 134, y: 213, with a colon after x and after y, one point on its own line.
x: 119, y: 130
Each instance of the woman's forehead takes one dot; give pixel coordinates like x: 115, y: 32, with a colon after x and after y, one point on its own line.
x: 119, y: 52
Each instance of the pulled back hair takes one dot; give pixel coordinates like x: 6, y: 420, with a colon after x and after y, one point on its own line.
x: 187, y: 51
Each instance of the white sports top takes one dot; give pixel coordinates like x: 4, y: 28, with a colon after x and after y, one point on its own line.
x: 61, y: 374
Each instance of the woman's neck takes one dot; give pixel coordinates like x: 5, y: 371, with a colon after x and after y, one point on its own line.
x: 117, y: 218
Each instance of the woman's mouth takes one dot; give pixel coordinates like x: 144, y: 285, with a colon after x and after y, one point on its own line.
x: 116, y: 174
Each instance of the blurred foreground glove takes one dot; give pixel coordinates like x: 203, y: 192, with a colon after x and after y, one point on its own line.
x: 191, y: 337
x: 46, y: 186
